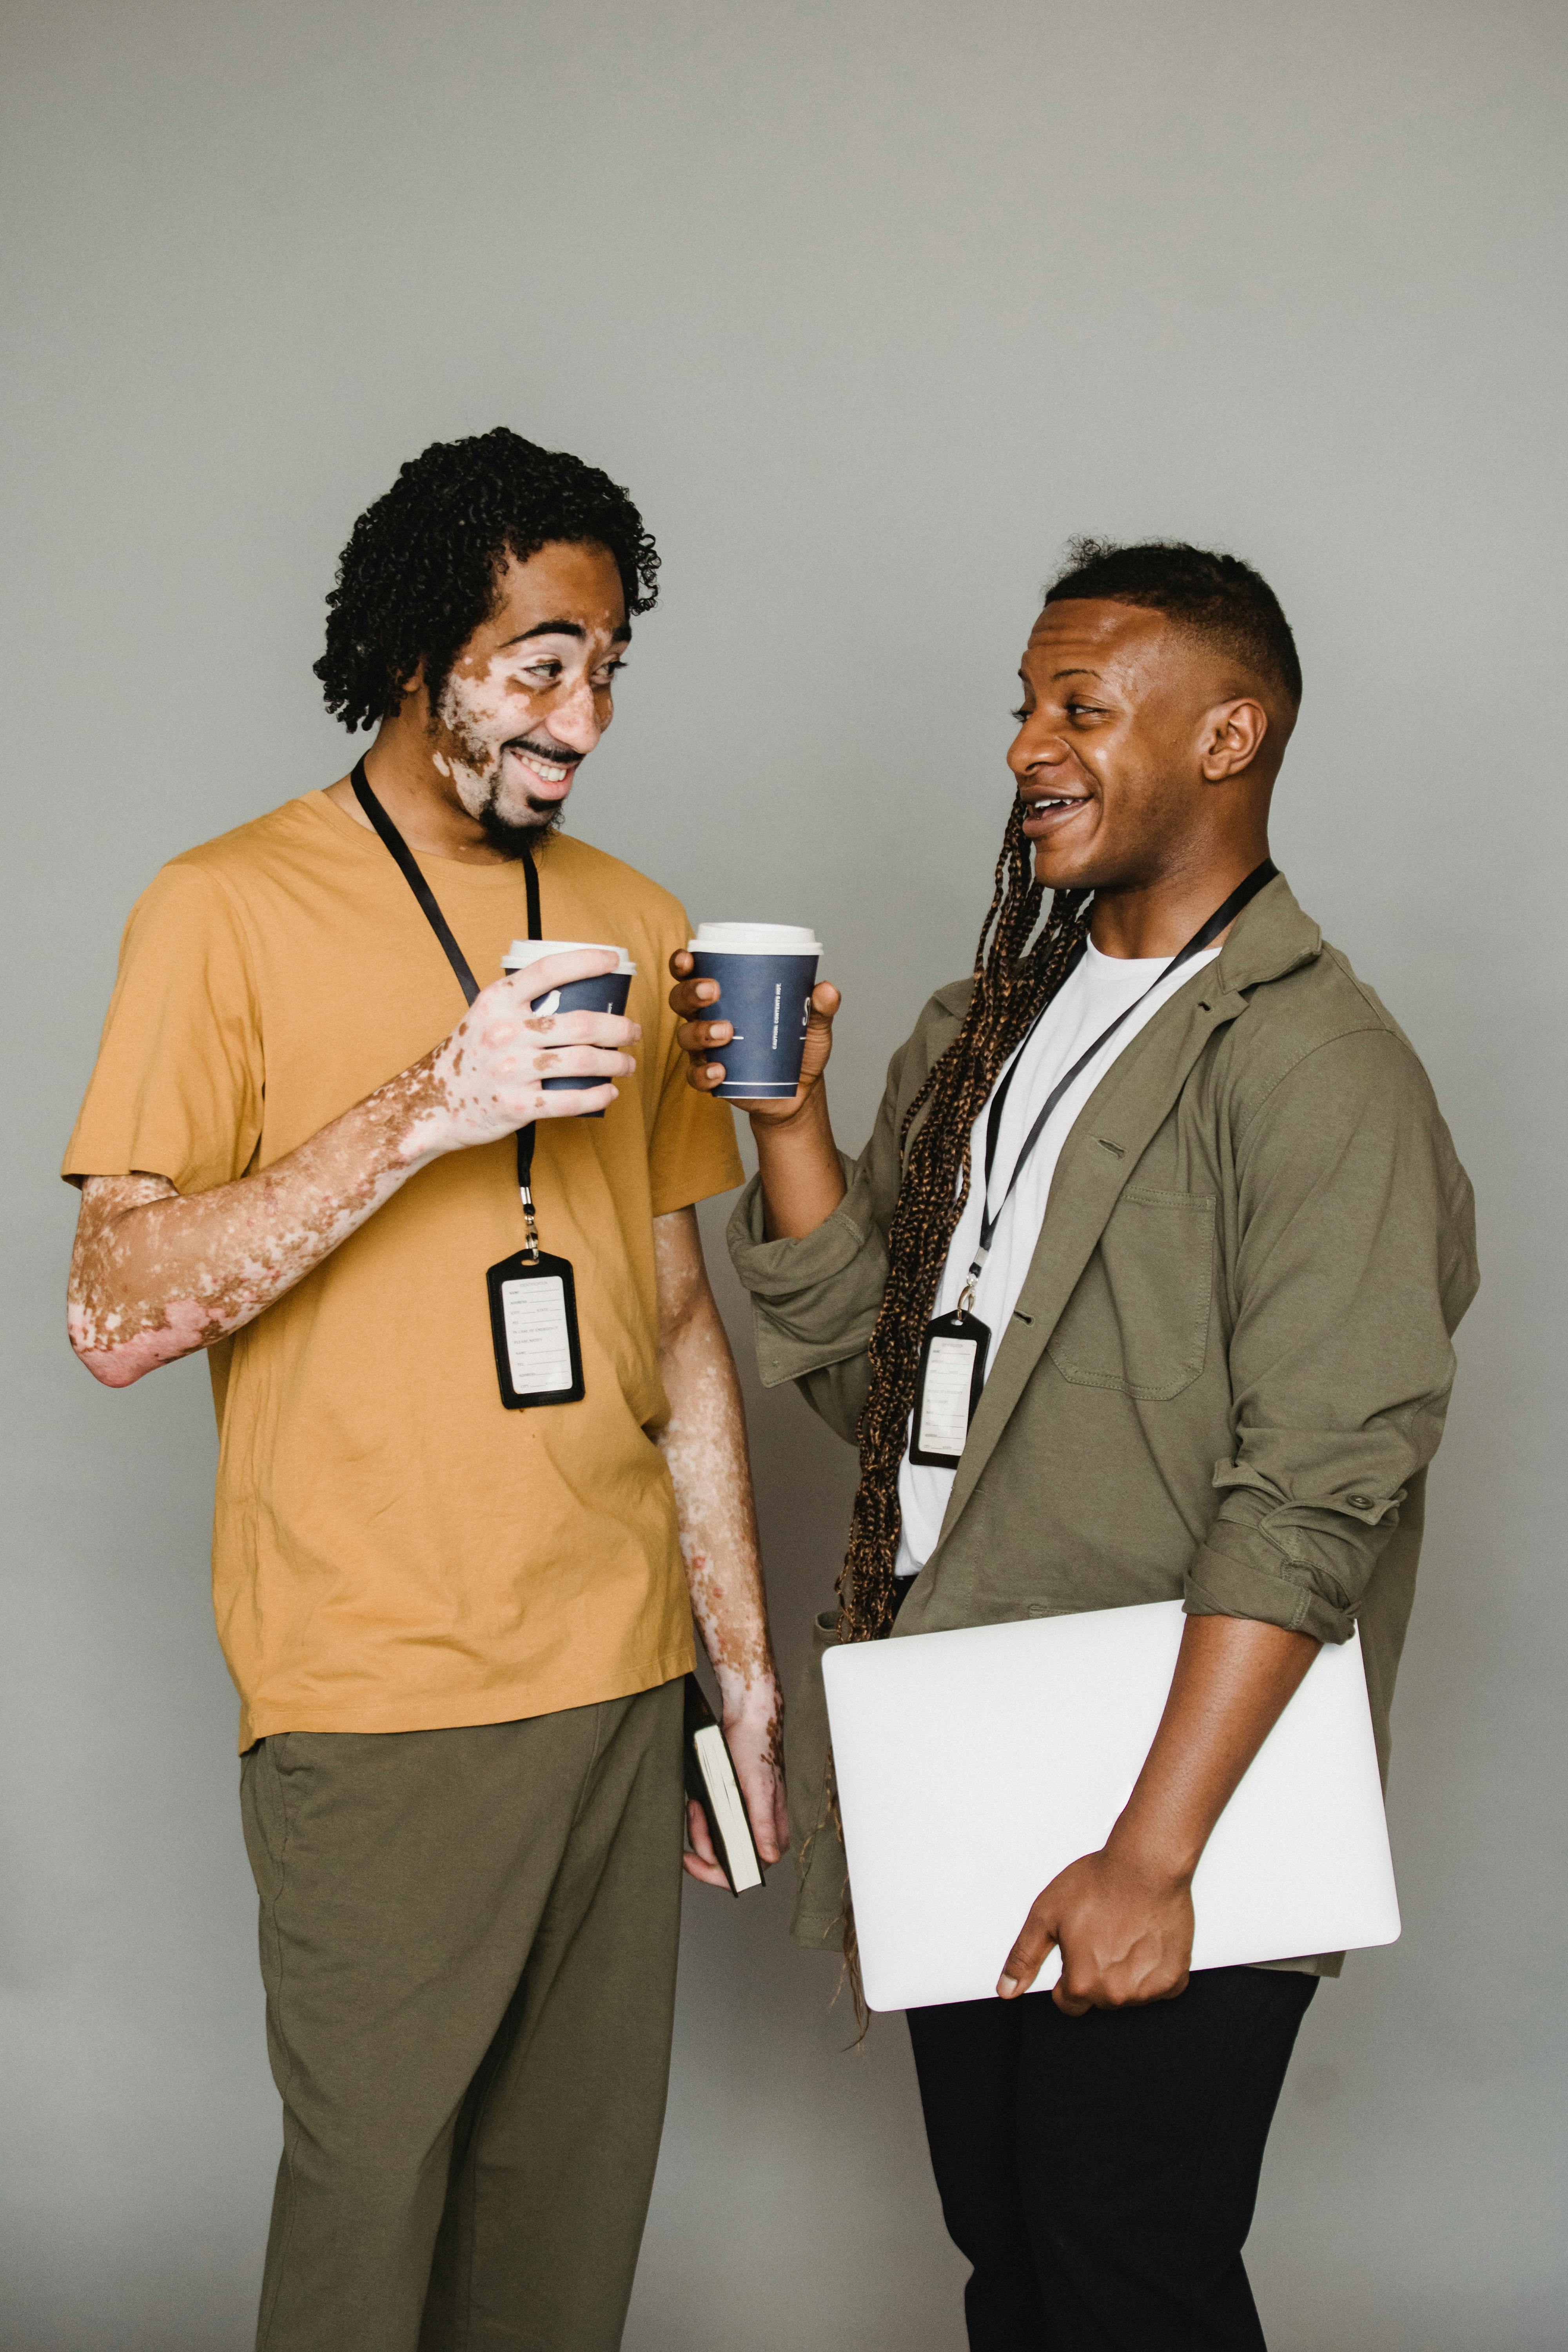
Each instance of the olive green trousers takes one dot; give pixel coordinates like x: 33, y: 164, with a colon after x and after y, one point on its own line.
x: 468, y: 1945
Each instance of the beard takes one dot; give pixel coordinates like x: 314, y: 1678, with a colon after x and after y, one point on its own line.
x: 515, y: 834
x: 523, y: 838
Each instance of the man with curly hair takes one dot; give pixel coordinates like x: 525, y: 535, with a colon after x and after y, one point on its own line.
x: 458, y: 1631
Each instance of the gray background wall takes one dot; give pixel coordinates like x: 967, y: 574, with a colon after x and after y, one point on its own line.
x: 872, y: 306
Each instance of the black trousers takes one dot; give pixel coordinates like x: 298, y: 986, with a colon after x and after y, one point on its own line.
x: 1100, y: 2172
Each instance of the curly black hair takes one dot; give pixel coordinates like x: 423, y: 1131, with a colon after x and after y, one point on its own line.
x: 1218, y: 597
x: 418, y: 574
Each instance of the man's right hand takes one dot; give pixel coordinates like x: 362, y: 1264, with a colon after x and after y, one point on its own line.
x: 703, y: 1033
x: 797, y: 1159
x: 487, y: 1079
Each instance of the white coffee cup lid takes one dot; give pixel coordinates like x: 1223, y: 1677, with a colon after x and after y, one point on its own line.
x: 755, y: 938
x: 527, y: 951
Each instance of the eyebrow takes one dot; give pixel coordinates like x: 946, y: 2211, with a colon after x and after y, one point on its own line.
x: 622, y: 637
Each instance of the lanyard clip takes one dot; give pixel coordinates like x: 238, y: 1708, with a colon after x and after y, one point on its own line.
x: 530, y: 1226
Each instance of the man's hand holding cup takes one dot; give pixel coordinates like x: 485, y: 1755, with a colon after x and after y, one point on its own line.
x: 763, y: 977
x: 516, y: 1055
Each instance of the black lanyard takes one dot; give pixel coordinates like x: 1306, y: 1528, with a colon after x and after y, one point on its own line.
x: 1204, y: 937
x: 437, y: 921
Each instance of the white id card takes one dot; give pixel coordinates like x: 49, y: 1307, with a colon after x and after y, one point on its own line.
x: 947, y: 1389
x: 533, y: 1322
x: 538, y: 1346
x: 944, y: 1406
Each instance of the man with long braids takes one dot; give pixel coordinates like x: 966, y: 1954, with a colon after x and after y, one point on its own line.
x: 1222, y: 1282
x: 459, y: 1627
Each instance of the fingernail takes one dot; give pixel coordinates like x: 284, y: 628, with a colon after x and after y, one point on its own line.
x: 1006, y: 1987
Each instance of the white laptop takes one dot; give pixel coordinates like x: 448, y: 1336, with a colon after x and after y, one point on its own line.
x: 973, y: 1765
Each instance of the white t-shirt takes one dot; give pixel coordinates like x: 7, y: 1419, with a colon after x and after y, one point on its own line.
x: 1101, y: 987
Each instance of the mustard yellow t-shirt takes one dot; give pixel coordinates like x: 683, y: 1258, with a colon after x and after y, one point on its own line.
x: 393, y: 1549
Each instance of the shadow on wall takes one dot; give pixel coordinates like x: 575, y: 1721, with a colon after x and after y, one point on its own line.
x: 793, y: 2199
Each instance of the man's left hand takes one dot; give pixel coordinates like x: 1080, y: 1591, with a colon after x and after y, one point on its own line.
x: 1123, y: 1917
x: 1126, y: 1936
x: 756, y: 1737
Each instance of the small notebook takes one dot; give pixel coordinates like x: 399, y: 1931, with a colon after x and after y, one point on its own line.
x: 712, y: 1784
x: 973, y: 1765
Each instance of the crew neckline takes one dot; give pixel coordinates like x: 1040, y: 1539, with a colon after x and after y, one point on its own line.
x: 503, y: 869
x: 1129, y: 963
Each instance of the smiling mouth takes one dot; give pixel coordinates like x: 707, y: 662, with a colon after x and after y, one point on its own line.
x: 549, y: 771
x: 1046, y: 804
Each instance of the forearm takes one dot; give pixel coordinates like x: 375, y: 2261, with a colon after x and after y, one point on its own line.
x: 704, y: 1443
x: 802, y: 1175
x: 1234, y: 1678
x: 157, y: 1275
x: 1123, y: 1917
x: 703, y: 1440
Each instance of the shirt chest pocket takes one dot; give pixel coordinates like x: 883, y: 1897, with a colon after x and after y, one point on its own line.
x: 1139, y: 1319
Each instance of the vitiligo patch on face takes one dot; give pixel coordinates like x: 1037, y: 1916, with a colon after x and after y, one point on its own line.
x: 478, y: 715
x: 485, y: 718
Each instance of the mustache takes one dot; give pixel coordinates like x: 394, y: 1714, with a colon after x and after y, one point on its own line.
x: 560, y: 755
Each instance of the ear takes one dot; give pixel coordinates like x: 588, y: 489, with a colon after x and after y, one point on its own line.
x: 415, y: 680
x: 1230, y: 739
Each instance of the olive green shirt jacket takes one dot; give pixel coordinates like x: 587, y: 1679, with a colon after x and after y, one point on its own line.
x: 1231, y: 1358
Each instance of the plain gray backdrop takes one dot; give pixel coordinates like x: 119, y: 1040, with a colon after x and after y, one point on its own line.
x: 872, y: 306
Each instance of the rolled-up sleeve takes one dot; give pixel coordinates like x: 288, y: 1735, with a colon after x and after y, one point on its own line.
x: 1354, y: 1260
x: 814, y: 1301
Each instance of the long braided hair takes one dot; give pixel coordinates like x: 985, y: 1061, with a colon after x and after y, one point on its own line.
x: 1013, y: 984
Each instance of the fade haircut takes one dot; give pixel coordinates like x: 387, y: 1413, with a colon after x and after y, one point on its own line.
x: 1216, y: 597
x: 418, y: 576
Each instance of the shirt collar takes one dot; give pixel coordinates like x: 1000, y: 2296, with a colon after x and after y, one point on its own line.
x: 1270, y: 937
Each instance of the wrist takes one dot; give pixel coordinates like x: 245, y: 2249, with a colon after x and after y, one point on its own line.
x: 809, y: 1119
x: 412, y: 1118
x: 1158, y: 1861
x: 753, y: 1699
x: 798, y: 1163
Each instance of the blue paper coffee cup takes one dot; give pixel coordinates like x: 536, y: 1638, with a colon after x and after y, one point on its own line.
x: 606, y: 991
x: 765, y: 972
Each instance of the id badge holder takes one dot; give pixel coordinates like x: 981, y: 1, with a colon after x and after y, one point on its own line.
x: 948, y: 1382
x: 533, y: 1322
